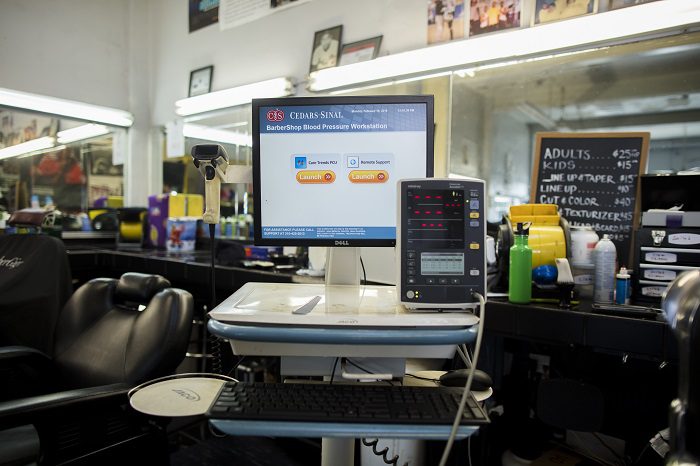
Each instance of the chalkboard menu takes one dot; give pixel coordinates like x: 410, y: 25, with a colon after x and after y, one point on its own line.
x: 594, y: 179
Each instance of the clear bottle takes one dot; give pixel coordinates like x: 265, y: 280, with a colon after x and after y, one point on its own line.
x: 604, y: 258
x: 520, y: 268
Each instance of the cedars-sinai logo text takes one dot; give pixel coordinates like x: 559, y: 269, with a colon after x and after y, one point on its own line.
x: 275, y: 115
x: 11, y: 263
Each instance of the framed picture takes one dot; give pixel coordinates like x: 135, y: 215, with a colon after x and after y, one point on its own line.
x: 362, y: 50
x: 200, y: 81
x: 326, y: 48
x: 552, y: 10
x: 615, y: 4
x: 445, y: 20
x: 488, y: 16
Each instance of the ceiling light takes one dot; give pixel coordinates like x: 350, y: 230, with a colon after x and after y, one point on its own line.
x: 277, y: 87
x: 25, y: 147
x: 576, y: 33
x: 216, y: 135
x: 66, y: 108
x: 81, y: 132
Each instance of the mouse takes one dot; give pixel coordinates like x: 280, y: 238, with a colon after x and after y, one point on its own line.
x: 481, y: 381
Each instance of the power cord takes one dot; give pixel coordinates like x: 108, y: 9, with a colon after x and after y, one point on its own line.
x: 468, y: 385
x: 364, y: 272
x: 214, y: 340
x: 383, y: 453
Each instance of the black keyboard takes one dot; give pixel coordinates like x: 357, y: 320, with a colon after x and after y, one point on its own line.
x: 358, y: 403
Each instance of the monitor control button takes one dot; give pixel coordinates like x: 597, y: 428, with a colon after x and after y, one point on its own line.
x: 411, y: 263
x: 411, y: 255
x: 410, y: 271
x: 411, y: 280
x: 410, y: 294
x: 474, y: 272
x: 429, y: 281
x: 442, y: 281
x: 455, y: 281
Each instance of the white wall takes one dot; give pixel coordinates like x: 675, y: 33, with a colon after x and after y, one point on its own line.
x: 277, y: 45
x: 73, y: 49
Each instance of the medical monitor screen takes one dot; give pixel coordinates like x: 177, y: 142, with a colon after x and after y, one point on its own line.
x: 325, y: 168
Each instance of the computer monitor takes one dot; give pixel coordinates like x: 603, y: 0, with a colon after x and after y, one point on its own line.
x: 325, y: 168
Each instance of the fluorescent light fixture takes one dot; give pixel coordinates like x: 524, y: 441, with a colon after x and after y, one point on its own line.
x: 29, y: 146
x: 277, y: 87
x: 561, y: 36
x: 42, y: 151
x: 66, y: 108
x: 206, y: 133
x: 79, y: 133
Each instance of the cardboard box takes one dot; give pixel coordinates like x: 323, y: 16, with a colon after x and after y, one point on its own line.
x: 163, y: 206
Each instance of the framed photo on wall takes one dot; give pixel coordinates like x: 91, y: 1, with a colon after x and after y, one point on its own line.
x: 361, y: 50
x: 326, y: 48
x: 489, y: 16
x: 552, y: 10
x: 200, y: 81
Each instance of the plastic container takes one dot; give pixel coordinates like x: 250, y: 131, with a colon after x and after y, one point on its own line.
x: 604, y: 258
x: 584, y: 276
x: 622, y: 287
x: 583, y: 241
x: 520, y: 268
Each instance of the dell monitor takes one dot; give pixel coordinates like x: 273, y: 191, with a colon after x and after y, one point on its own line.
x: 325, y: 169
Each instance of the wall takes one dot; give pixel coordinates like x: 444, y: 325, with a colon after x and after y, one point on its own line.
x: 277, y: 45
x: 73, y: 49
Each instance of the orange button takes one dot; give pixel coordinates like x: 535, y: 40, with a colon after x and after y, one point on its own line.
x: 473, y: 214
x: 315, y: 176
x: 474, y: 246
x: 368, y: 176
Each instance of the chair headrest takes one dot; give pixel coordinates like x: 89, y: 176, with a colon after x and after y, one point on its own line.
x: 140, y: 287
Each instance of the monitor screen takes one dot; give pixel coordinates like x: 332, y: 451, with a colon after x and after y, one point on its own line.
x: 325, y: 168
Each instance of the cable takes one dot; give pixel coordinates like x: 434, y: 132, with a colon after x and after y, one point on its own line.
x: 212, y: 238
x: 422, y: 378
x: 364, y: 273
x: 469, y: 450
x: 335, y: 364
x: 382, y: 453
x: 467, y: 362
x: 214, y: 340
x: 468, y: 385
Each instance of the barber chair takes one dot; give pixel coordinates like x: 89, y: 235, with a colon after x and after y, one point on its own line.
x: 681, y: 305
x: 64, y: 401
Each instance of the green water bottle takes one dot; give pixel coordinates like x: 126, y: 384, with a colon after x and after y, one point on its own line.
x: 520, y: 270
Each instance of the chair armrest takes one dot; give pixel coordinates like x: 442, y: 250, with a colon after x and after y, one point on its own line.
x: 25, y: 372
x: 34, y: 409
x: 17, y: 353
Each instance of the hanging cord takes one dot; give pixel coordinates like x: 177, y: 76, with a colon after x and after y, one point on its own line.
x: 212, y: 277
x: 468, y: 386
x: 214, y: 341
x: 383, y: 453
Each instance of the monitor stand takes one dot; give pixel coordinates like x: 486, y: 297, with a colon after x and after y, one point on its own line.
x: 343, y: 266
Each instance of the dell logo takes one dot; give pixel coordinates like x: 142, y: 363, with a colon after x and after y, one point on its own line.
x: 342, y: 243
x: 275, y: 115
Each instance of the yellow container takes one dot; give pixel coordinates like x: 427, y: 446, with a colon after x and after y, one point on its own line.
x: 546, y: 237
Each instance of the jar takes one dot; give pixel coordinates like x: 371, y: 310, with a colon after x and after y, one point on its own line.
x: 583, y: 241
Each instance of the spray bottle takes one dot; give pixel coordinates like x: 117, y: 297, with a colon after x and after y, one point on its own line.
x: 520, y: 268
x: 604, y: 257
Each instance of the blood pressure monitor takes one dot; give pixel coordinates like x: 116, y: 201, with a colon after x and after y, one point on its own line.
x: 440, y: 243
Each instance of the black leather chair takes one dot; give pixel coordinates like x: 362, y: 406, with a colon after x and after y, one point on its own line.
x: 110, y: 336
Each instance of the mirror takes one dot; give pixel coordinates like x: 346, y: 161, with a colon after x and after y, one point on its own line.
x: 72, y: 171
x: 651, y: 85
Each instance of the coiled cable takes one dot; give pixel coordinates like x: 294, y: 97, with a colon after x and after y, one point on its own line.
x: 383, y: 453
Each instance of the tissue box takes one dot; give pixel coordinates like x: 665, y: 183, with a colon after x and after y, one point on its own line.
x: 163, y: 206
x: 182, y: 234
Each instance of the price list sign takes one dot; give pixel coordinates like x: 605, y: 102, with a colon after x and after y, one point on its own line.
x: 594, y: 179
